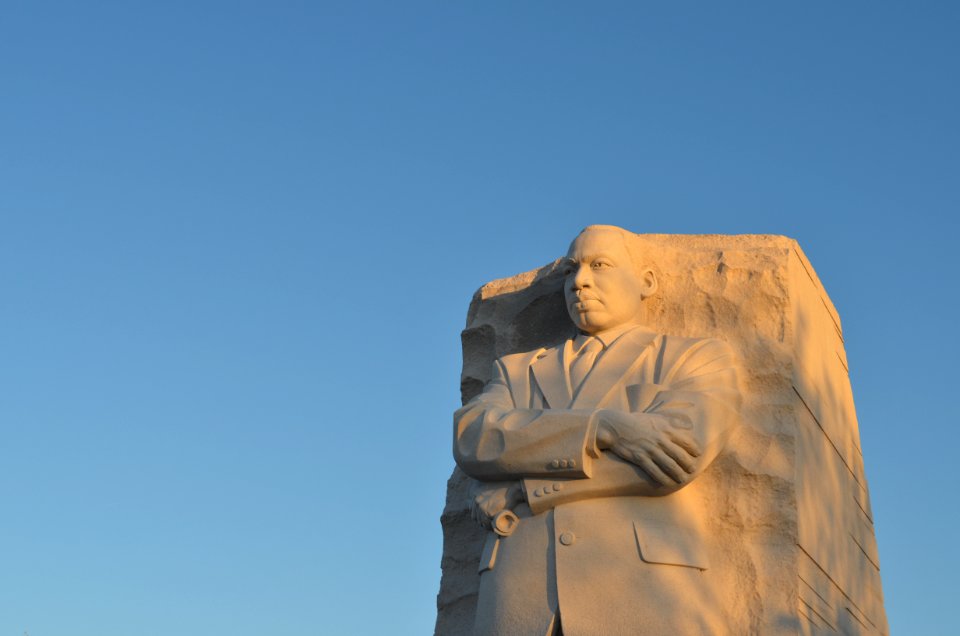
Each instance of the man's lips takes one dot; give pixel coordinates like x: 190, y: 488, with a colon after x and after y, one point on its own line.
x: 584, y: 302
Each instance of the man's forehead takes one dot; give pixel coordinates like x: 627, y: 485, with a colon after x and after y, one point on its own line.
x: 592, y: 242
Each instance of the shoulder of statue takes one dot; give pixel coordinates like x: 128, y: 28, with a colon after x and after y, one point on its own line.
x: 692, y: 349
x: 684, y: 346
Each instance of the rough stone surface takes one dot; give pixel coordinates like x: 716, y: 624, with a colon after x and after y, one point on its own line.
x: 787, y: 502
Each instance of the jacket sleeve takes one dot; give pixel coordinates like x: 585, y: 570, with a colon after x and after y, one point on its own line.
x: 699, y: 393
x: 493, y: 440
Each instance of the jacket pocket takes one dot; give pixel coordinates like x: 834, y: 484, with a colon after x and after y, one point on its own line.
x: 670, y: 545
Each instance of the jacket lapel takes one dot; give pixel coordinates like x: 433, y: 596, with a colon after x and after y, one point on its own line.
x: 613, y: 366
x: 550, y: 371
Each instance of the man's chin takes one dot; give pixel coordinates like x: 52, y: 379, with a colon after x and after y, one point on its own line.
x: 589, y: 323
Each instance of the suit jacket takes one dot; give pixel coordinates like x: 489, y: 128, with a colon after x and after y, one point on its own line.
x: 599, y: 542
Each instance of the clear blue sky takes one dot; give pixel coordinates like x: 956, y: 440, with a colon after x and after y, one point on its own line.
x: 238, y: 240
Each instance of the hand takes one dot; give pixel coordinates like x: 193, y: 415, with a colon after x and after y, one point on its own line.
x: 493, y: 498
x: 666, y: 453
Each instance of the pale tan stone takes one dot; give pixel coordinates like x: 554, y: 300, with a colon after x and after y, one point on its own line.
x: 773, y: 536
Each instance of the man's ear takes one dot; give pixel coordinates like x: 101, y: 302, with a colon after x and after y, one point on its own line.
x: 648, y: 283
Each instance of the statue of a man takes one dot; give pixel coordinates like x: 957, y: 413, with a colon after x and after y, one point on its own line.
x: 592, y: 449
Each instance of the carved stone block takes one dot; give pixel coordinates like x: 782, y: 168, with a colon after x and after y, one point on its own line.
x: 789, y: 531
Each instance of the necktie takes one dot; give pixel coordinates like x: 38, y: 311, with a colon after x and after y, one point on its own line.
x: 584, y: 361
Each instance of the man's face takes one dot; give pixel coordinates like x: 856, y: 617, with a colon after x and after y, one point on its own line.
x: 602, y: 288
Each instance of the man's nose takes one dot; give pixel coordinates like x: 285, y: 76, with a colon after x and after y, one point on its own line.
x: 583, y: 277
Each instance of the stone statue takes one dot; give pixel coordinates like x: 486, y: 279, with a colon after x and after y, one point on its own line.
x: 586, y: 457
x: 707, y: 481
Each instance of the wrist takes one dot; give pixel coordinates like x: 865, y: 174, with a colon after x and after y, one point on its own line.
x: 606, y: 435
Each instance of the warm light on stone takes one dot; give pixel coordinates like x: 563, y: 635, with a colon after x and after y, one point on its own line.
x: 670, y: 422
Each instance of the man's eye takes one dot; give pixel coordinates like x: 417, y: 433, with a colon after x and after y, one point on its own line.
x: 599, y: 264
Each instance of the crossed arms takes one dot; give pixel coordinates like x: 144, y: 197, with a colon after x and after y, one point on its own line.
x: 551, y: 456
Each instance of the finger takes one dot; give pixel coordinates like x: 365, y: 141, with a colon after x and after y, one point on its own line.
x: 668, y: 465
x: 623, y: 452
x: 679, y: 455
x: 630, y: 450
x: 685, y: 441
x: 649, y: 467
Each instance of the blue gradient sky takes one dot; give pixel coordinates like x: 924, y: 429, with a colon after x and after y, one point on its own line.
x: 238, y: 240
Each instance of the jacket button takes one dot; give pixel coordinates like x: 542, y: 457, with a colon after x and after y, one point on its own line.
x: 557, y: 487
x: 537, y: 492
x: 567, y: 538
x: 555, y: 463
x: 572, y: 463
x: 563, y: 463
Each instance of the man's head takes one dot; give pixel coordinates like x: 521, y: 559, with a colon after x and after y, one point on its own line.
x: 606, y: 280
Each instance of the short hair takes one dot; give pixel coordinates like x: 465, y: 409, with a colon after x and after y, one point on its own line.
x: 631, y: 242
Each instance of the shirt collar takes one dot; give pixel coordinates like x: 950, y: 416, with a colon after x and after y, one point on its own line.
x: 607, y: 337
